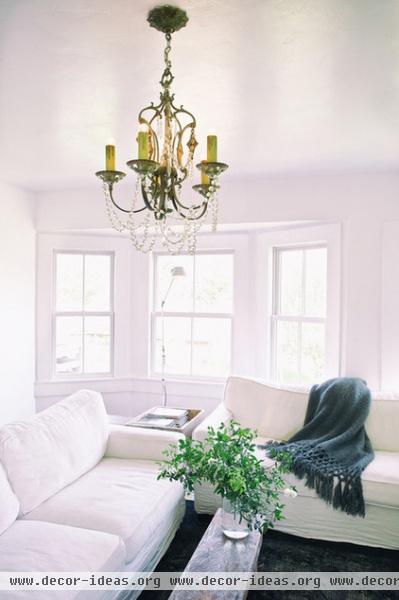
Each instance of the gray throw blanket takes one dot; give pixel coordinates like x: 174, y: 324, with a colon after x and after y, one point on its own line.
x: 332, y: 449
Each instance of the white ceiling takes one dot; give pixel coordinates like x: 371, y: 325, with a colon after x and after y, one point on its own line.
x: 291, y: 86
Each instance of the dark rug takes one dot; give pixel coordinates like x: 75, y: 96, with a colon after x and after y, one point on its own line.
x: 282, y: 552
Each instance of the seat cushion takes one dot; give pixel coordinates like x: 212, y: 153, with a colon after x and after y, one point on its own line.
x: 118, y: 496
x: 39, y: 546
x: 380, y: 479
x: 43, y: 454
x: 9, y: 505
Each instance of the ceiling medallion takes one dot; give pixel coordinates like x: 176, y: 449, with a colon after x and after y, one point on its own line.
x: 166, y: 148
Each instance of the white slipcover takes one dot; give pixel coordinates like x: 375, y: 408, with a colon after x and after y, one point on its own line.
x: 380, y: 479
x: 36, y: 546
x: 9, y: 505
x: 278, y: 413
x: 118, y: 496
x: 81, y: 508
x: 43, y: 454
x: 140, y: 444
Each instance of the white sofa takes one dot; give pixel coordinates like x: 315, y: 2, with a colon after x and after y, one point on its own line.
x: 79, y: 495
x: 277, y: 414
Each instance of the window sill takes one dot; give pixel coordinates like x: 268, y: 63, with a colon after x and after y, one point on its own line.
x: 132, y: 385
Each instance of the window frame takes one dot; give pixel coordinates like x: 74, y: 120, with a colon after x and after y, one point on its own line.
x: 191, y: 315
x: 55, y: 376
x: 277, y: 317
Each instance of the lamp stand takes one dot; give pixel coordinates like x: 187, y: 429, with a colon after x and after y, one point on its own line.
x: 163, y: 349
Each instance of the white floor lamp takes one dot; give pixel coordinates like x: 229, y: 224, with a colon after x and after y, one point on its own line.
x: 174, y: 273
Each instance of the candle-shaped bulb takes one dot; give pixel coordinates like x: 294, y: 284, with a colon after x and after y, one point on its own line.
x: 143, y: 142
x: 212, y: 147
x: 110, y: 155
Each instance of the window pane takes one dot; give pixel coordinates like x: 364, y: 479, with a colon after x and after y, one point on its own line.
x: 211, y: 347
x: 68, y: 347
x: 214, y: 283
x: 69, y: 284
x: 316, y: 282
x: 177, y: 345
x: 180, y: 296
x: 287, y: 352
x: 290, y: 282
x: 97, y: 282
x: 313, y: 343
x: 97, y: 340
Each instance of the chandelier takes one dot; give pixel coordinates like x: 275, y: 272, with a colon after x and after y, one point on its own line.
x: 166, y: 148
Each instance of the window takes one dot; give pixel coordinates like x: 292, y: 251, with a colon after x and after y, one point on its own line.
x: 198, y: 314
x: 299, y: 314
x: 83, y: 315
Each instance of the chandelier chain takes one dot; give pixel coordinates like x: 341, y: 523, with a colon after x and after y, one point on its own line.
x: 167, y: 76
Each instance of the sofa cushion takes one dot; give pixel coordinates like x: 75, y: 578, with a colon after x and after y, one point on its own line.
x: 274, y: 412
x: 383, y: 421
x: 43, y: 454
x: 118, y: 496
x: 38, y: 546
x: 9, y: 505
x: 380, y: 479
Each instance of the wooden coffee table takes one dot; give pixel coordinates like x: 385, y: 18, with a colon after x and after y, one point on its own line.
x: 217, y: 553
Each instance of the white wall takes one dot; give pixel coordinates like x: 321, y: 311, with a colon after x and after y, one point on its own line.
x: 364, y: 204
x: 17, y: 303
x: 390, y: 305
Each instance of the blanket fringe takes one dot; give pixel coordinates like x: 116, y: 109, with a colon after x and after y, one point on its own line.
x: 346, y: 494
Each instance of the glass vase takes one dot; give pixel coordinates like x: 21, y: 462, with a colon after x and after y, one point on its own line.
x: 232, y: 527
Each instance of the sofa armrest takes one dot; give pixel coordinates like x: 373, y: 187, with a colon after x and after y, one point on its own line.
x: 221, y: 414
x: 139, y: 443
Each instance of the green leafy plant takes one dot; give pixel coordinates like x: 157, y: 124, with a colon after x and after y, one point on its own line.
x: 226, y: 459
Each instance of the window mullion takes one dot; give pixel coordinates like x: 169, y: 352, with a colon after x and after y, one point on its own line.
x: 304, y: 267
x: 192, y: 318
x: 300, y: 350
x: 83, y: 315
x: 303, y: 312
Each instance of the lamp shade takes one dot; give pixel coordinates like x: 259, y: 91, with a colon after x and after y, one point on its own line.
x: 178, y: 272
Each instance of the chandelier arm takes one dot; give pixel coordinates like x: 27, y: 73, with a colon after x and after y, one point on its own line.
x: 157, y: 109
x: 180, y: 180
x: 149, y: 120
x: 177, y: 207
x: 120, y: 207
x: 177, y: 204
x: 181, y: 109
x: 196, y: 218
x: 145, y: 198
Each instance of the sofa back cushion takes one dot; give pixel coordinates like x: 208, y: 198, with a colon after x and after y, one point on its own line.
x: 9, y: 505
x: 278, y: 413
x: 382, y: 424
x: 43, y: 454
x: 274, y: 412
